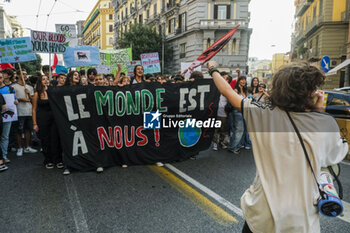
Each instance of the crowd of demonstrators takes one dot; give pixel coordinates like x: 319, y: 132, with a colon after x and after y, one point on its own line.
x: 282, y: 170
x: 34, y: 111
x: 3, y: 166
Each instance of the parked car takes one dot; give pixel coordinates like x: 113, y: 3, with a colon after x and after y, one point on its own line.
x: 338, y: 104
x: 345, y: 89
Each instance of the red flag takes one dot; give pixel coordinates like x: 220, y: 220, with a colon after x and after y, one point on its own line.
x: 213, y: 50
x: 55, y: 62
x: 5, y: 66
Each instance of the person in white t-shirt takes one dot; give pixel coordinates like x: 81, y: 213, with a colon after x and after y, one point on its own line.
x: 284, y: 194
x: 24, y: 95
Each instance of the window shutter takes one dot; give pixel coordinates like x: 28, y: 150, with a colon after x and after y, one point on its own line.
x: 228, y: 12
x: 215, y: 11
x: 180, y: 21
x: 169, y: 29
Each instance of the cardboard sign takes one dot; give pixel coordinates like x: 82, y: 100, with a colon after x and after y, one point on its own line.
x: 150, y: 63
x: 10, y: 99
x: 48, y: 42
x: 103, y: 69
x: 70, y: 31
x: 13, y: 50
x: 114, y: 57
x: 130, y: 67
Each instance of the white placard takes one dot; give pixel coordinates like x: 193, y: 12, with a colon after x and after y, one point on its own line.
x: 10, y: 99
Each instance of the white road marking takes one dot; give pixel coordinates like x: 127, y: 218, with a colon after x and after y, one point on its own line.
x: 206, y: 190
x: 345, y: 216
x: 344, y: 162
x: 78, y: 214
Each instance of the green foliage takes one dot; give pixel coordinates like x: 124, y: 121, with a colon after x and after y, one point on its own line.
x: 301, y: 50
x: 30, y: 66
x: 145, y: 39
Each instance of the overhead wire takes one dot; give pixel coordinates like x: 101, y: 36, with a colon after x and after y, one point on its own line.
x: 77, y: 10
x: 48, y: 15
x: 37, y: 16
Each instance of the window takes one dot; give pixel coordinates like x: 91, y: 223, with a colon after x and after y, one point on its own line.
x: 126, y: 12
x: 147, y: 14
x: 183, y: 22
x: 222, y: 11
x: 155, y: 9
x: 208, y: 43
x: 122, y: 15
x: 171, y: 28
x: 320, y: 5
x: 140, y: 19
x: 182, y: 50
x: 234, y: 45
x: 316, y: 45
x: 314, y: 13
x: 110, y: 16
x: 110, y: 28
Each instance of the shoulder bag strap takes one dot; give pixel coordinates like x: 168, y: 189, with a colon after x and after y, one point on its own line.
x: 305, y: 152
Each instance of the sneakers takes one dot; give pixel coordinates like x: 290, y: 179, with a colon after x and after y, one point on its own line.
x: 247, y: 147
x: 3, y: 167
x: 159, y: 164
x: 66, y: 172
x: 124, y: 166
x: 49, y: 165
x: 223, y: 146
x: 215, y: 146
x: 234, y: 151
x: 59, y: 165
x: 30, y: 150
x: 13, y: 149
x: 6, y: 160
x: 99, y: 169
x: 19, y: 152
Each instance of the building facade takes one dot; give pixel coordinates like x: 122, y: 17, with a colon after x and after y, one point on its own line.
x: 80, y: 27
x: 278, y: 60
x: 191, y: 26
x: 9, y: 26
x: 321, y: 29
x: 98, y: 27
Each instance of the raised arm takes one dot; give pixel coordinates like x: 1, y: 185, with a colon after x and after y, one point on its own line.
x: 224, y: 87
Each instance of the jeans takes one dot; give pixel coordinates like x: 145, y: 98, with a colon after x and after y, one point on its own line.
x: 236, y: 130
x: 4, y: 141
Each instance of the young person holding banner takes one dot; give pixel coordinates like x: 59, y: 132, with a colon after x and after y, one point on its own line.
x: 283, y: 196
x: 44, y: 123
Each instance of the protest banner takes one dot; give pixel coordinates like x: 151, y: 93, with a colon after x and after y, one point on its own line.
x: 70, y: 31
x: 48, y: 42
x: 185, y: 66
x: 150, y: 63
x: 130, y: 67
x: 10, y: 99
x: 103, y: 69
x: 114, y: 57
x: 15, y: 50
x: 82, y: 56
x: 134, y: 124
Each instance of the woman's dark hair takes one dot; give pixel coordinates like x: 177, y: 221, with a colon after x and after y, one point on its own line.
x: 69, y: 80
x: 135, y: 70
x: 91, y: 70
x: 293, y: 87
x: 238, y: 88
x: 252, y: 87
x: 39, y: 87
x: 82, y: 72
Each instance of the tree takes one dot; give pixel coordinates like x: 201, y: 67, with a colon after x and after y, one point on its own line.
x: 31, y: 66
x: 145, y: 39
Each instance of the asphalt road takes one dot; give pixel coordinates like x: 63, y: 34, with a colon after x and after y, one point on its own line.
x: 200, y: 195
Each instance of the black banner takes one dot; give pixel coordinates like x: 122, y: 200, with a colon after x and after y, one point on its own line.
x: 104, y: 126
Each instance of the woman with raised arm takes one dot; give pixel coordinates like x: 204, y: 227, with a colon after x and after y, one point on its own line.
x: 284, y: 193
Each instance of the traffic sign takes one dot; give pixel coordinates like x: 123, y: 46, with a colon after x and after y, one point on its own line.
x: 325, y: 64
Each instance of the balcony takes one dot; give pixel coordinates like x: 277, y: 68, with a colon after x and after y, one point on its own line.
x: 171, y: 9
x: 302, y: 7
x: 155, y: 18
x: 310, y: 28
x: 222, y: 24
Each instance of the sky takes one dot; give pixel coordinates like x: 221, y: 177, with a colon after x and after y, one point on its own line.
x: 271, y: 20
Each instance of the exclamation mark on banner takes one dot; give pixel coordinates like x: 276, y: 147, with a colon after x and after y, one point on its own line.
x: 156, y: 136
